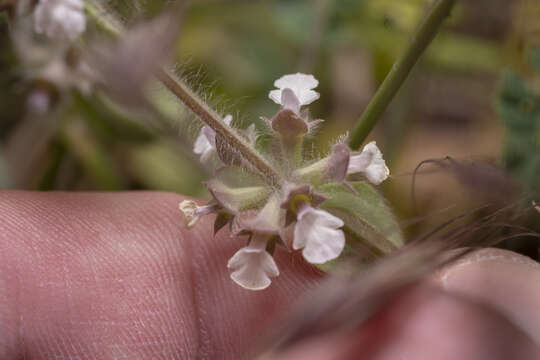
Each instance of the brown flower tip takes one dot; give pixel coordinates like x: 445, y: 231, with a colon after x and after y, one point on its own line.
x: 289, y: 125
x: 339, y: 162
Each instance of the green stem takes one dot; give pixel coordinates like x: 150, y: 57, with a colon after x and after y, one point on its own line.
x: 400, y: 70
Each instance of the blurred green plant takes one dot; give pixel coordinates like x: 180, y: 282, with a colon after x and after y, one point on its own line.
x: 518, y: 102
x: 519, y: 109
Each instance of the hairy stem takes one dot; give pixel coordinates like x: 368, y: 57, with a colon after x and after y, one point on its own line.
x: 196, y: 105
x: 213, y: 120
x: 400, y: 70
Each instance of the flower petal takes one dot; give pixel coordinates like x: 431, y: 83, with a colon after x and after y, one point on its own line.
x: 306, y: 97
x: 290, y: 101
x: 300, y: 84
x: 359, y: 163
x: 371, y: 163
x: 205, y: 144
x: 188, y: 209
x: 296, y: 81
x: 227, y: 119
x: 253, y: 266
x: 60, y: 19
x: 317, y: 232
x: 201, y: 144
x: 324, y: 245
x: 377, y: 173
x: 275, y: 96
x: 321, y: 218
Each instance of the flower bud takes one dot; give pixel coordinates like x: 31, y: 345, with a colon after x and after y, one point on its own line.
x: 330, y: 169
x: 192, y: 212
x: 235, y: 200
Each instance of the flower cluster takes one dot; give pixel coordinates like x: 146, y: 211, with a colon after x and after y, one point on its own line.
x: 60, y: 19
x: 52, y: 63
x: 290, y: 213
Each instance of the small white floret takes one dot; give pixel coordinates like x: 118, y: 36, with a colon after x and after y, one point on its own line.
x: 189, y: 209
x: 193, y: 212
x: 300, y: 91
x: 205, y: 144
x: 253, y: 266
x: 60, y: 19
x: 318, y: 233
x: 370, y: 162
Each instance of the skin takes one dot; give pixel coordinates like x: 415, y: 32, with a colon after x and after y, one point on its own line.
x: 114, y: 276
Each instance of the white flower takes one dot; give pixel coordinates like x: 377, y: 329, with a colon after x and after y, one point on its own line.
x: 253, y: 266
x: 318, y: 233
x: 206, y: 141
x: 294, y: 91
x: 192, y: 212
x: 60, y: 19
x: 39, y: 101
x: 371, y: 163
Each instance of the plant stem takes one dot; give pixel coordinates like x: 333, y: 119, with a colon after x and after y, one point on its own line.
x: 400, y: 70
x: 196, y: 105
x: 213, y: 120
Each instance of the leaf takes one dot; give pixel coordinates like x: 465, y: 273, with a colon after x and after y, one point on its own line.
x: 237, y: 199
x: 112, y: 121
x: 222, y: 219
x: 236, y: 176
x: 534, y: 57
x: 367, y: 217
x: 159, y: 165
x: 93, y: 157
x: 518, y: 107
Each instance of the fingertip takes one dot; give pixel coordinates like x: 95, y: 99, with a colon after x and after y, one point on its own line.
x: 507, y: 281
x: 124, y: 258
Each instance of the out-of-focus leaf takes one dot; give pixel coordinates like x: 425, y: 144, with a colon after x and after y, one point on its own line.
x: 366, y: 215
x: 222, y: 219
x: 111, y: 121
x: 293, y: 19
x: 11, y: 97
x: 519, y: 108
x: 49, y: 178
x: 238, y: 177
x: 449, y: 51
x: 4, y: 175
x: 236, y: 199
x: 92, y: 156
x: 161, y: 166
x: 404, y: 15
x: 534, y: 56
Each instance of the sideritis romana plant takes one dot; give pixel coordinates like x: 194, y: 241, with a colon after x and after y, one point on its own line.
x: 322, y: 207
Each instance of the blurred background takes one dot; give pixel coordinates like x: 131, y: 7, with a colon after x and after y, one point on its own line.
x: 474, y: 97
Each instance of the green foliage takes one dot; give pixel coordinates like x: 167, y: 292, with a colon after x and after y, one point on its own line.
x: 534, y: 57
x: 160, y: 166
x: 11, y: 101
x: 110, y: 120
x: 519, y: 108
x: 367, y: 218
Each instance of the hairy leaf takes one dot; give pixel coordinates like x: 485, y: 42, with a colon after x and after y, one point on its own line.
x: 367, y: 217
